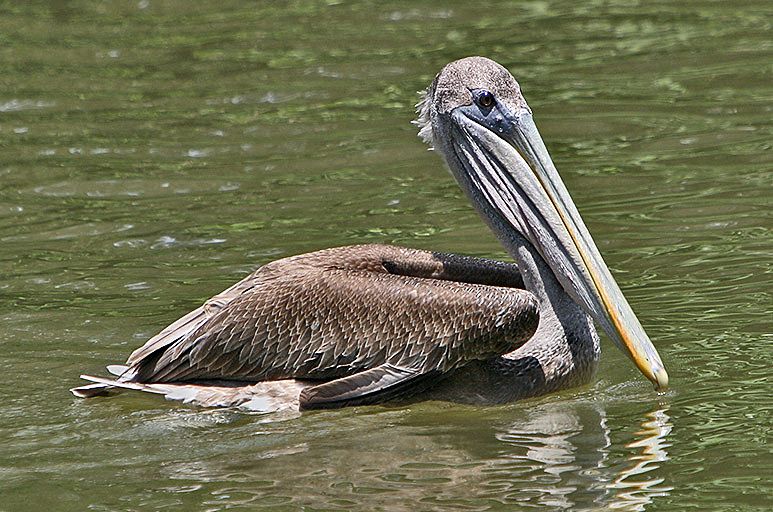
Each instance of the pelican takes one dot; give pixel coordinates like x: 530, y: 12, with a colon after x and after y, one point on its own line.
x: 371, y: 323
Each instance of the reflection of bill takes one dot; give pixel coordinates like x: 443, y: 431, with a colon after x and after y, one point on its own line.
x: 632, y: 489
x: 564, y: 457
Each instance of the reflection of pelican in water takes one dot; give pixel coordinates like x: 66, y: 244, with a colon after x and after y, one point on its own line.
x: 365, y: 324
x: 631, y: 490
x: 566, y: 452
x: 548, y: 454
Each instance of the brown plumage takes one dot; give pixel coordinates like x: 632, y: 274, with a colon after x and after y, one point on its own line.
x: 333, y: 313
x: 364, y: 324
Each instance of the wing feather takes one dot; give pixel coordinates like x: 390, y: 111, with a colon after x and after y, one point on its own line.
x: 323, y: 316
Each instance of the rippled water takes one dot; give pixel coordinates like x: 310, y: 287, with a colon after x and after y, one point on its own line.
x: 155, y: 152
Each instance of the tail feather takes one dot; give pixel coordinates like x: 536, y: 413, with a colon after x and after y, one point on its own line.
x: 258, y: 397
x: 119, y: 370
x: 136, y: 386
x: 91, y: 390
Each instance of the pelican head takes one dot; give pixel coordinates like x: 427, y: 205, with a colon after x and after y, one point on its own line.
x: 475, y: 115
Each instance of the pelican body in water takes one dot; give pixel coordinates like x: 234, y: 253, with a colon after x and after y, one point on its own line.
x: 371, y: 323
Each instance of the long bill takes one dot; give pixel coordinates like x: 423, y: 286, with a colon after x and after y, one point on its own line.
x: 513, y: 172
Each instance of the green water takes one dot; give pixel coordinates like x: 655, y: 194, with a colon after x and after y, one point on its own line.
x: 153, y: 153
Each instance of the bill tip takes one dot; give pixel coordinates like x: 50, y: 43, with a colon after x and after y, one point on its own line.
x: 661, y: 379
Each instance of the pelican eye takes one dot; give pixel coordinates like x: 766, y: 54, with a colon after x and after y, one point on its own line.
x: 485, y: 99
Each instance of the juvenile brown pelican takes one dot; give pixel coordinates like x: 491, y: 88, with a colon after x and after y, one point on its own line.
x: 364, y: 324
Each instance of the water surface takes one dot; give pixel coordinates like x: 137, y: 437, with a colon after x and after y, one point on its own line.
x: 156, y: 152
